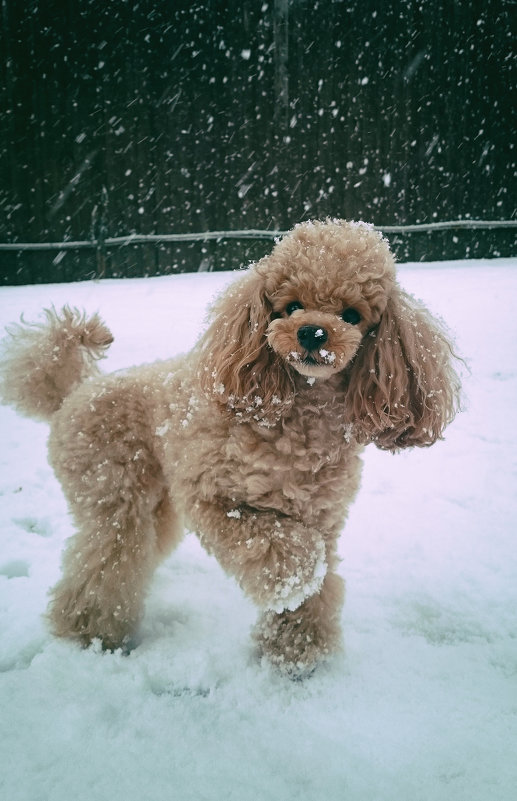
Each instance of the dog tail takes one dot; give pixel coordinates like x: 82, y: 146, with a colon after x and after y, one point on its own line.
x: 41, y: 363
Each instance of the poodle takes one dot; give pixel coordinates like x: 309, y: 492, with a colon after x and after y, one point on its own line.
x: 252, y: 440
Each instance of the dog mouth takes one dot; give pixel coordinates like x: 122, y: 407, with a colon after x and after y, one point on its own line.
x: 309, y: 361
x: 320, y: 364
x: 322, y: 358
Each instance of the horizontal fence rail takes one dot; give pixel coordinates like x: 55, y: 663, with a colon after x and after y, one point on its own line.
x: 205, y: 236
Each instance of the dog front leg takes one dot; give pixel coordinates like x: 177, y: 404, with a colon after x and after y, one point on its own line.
x: 278, y: 561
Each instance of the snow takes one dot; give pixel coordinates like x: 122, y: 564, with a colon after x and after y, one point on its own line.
x: 422, y: 705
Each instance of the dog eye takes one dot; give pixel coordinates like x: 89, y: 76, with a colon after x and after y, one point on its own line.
x: 351, y: 316
x: 293, y: 306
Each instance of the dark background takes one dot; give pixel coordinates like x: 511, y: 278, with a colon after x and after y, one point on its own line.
x: 178, y: 117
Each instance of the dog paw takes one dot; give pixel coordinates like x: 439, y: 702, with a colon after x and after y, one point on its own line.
x: 289, y: 644
x: 84, y: 620
x: 292, y: 643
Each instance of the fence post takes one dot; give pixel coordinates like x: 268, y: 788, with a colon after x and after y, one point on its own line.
x: 100, y: 231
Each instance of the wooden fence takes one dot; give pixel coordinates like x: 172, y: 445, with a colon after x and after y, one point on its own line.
x: 124, y: 124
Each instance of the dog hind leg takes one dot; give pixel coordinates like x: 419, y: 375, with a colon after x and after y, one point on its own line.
x: 117, y: 495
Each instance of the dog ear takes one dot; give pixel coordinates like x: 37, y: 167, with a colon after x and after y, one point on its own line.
x: 237, y: 367
x: 403, y: 389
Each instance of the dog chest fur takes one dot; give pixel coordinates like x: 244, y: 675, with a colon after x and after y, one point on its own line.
x: 282, y: 467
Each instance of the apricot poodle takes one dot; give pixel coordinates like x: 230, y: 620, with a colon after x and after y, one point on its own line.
x: 252, y: 440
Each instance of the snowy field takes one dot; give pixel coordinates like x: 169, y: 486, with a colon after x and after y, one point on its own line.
x: 421, y: 706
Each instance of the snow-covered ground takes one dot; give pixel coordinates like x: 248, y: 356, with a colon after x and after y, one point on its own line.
x: 422, y: 706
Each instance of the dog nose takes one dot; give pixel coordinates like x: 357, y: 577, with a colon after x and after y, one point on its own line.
x: 311, y: 337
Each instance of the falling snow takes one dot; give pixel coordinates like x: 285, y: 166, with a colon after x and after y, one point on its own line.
x: 157, y: 119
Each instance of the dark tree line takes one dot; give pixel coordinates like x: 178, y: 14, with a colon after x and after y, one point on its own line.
x: 155, y: 117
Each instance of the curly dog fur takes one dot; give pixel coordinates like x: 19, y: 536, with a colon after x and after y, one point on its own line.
x: 252, y: 440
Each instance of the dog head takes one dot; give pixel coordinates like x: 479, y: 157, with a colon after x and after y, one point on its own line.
x: 327, y: 285
x: 325, y: 303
